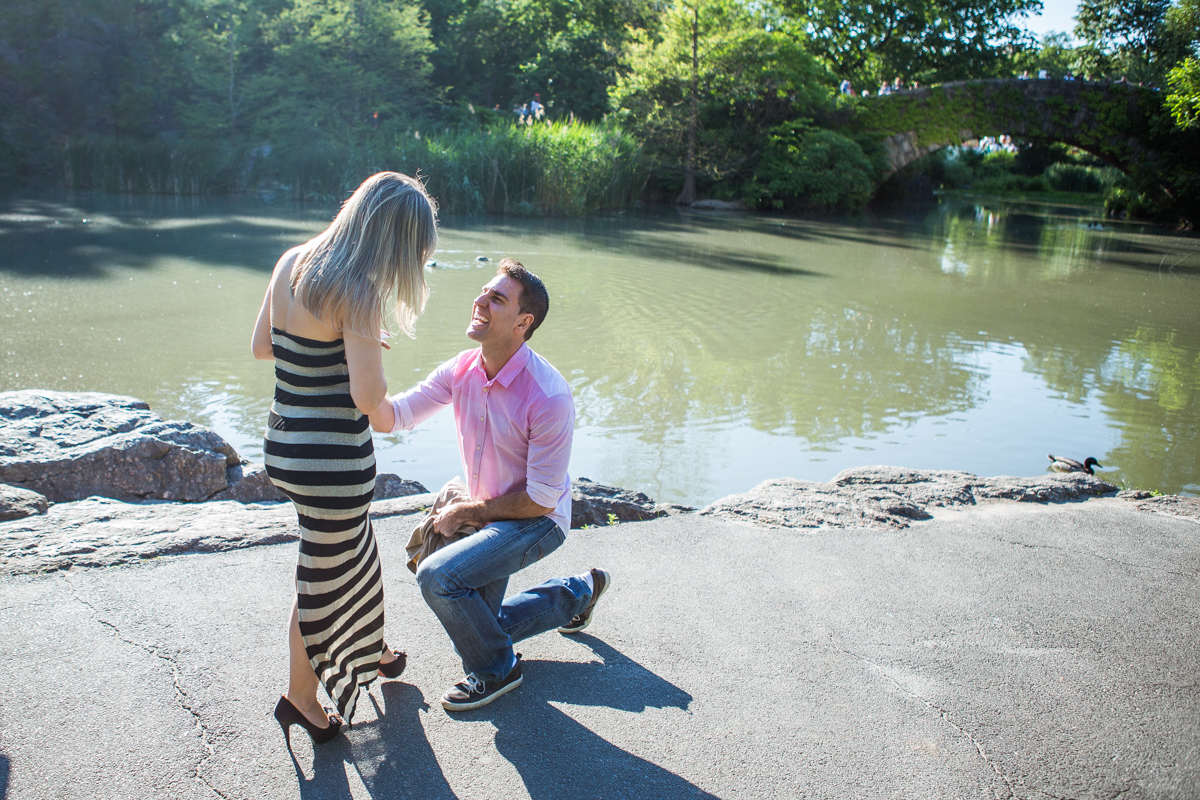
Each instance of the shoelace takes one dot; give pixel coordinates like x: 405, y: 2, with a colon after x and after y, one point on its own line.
x: 474, y: 685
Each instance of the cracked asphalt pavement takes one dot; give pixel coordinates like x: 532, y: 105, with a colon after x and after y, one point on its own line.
x: 1009, y: 650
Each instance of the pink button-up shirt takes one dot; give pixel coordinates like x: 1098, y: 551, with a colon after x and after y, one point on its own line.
x: 514, y: 431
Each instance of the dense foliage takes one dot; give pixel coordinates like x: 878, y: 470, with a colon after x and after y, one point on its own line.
x: 746, y: 77
x: 1184, y: 99
x: 491, y: 52
x: 925, y: 40
x: 735, y: 99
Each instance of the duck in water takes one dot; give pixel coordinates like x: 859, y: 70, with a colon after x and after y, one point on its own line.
x: 1071, y: 465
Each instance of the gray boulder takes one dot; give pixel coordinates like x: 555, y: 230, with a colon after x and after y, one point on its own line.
x: 72, y: 445
x: 248, y: 483
x: 388, y: 486
x: 1171, y: 505
x: 891, y: 498
x: 16, y: 503
x: 101, y: 532
x: 718, y: 205
x: 592, y: 503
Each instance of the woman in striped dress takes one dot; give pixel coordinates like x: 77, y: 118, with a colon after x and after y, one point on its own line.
x: 321, y: 321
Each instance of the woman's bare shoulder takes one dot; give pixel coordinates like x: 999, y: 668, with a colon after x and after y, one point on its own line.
x: 287, y: 312
x: 289, y: 259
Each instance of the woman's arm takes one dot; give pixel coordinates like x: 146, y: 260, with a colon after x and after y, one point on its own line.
x: 364, y: 358
x: 260, y: 342
x: 383, y: 419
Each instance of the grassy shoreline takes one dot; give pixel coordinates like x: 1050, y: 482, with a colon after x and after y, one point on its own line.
x: 1093, y: 201
x: 562, y: 169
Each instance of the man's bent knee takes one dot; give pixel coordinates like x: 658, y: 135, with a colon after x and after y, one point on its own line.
x: 432, y: 579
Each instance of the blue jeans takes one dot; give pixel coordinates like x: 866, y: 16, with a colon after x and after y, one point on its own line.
x: 464, y: 584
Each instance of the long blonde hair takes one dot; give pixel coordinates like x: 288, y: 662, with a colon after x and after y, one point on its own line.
x: 375, y: 248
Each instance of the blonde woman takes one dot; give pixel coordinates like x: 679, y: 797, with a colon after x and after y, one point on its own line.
x: 321, y: 321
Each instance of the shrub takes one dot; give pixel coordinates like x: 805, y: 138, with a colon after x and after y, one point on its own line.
x: 1125, y: 202
x: 813, y: 167
x: 998, y: 161
x: 1012, y: 183
x: 1078, y: 178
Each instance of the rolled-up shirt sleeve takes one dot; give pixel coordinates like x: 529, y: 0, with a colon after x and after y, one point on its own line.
x: 425, y: 399
x: 551, y: 428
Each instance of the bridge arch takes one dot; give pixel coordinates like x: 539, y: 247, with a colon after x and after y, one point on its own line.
x: 1125, y: 125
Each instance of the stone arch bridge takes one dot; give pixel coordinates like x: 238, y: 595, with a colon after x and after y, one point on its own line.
x: 1125, y: 125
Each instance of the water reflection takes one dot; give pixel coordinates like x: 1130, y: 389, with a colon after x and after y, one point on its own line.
x: 706, y: 352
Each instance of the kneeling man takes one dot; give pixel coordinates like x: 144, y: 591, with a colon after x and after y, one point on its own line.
x: 515, y: 418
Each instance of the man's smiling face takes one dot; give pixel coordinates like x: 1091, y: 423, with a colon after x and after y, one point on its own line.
x: 496, y: 313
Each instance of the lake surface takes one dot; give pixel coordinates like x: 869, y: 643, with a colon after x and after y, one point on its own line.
x: 707, y: 353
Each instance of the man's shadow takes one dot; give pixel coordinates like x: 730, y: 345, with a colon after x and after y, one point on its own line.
x: 553, y: 753
x: 556, y: 756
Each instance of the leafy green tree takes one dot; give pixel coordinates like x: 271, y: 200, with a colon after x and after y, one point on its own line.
x: 711, y: 79
x: 1140, y: 40
x: 1053, y: 53
x: 928, y: 40
x: 335, y: 64
x: 226, y: 56
x: 500, y: 52
x: 1184, y: 98
x: 76, y: 67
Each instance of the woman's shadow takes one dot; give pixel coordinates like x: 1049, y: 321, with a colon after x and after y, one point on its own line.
x: 390, y: 754
x: 554, y: 754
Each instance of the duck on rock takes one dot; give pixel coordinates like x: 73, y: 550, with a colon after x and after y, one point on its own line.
x: 1059, y: 464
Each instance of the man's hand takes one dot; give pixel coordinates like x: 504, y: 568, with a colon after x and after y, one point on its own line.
x: 479, y: 513
x: 456, y: 516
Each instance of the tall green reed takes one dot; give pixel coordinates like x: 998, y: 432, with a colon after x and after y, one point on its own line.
x: 561, y: 169
x: 146, y: 166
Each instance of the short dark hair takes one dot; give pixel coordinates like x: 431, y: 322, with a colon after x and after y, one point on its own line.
x: 535, y: 299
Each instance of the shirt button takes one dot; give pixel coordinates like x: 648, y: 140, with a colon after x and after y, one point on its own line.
x: 478, y: 447
x: 481, y: 419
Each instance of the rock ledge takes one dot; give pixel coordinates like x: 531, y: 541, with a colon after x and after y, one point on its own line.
x: 891, y: 498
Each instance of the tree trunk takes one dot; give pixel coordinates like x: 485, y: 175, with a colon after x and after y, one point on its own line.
x: 233, y: 106
x: 688, y: 195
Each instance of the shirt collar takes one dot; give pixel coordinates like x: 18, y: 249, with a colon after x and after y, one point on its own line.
x: 514, y: 365
x: 511, y: 369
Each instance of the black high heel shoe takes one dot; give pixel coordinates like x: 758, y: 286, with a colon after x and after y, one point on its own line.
x: 288, y: 715
x: 392, y: 669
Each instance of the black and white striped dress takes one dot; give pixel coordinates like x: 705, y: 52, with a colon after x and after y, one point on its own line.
x: 318, y: 450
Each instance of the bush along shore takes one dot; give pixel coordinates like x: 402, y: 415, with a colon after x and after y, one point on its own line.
x: 562, y: 169
x: 126, y: 485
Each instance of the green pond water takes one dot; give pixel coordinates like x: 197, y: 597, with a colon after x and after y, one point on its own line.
x: 706, y: 352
